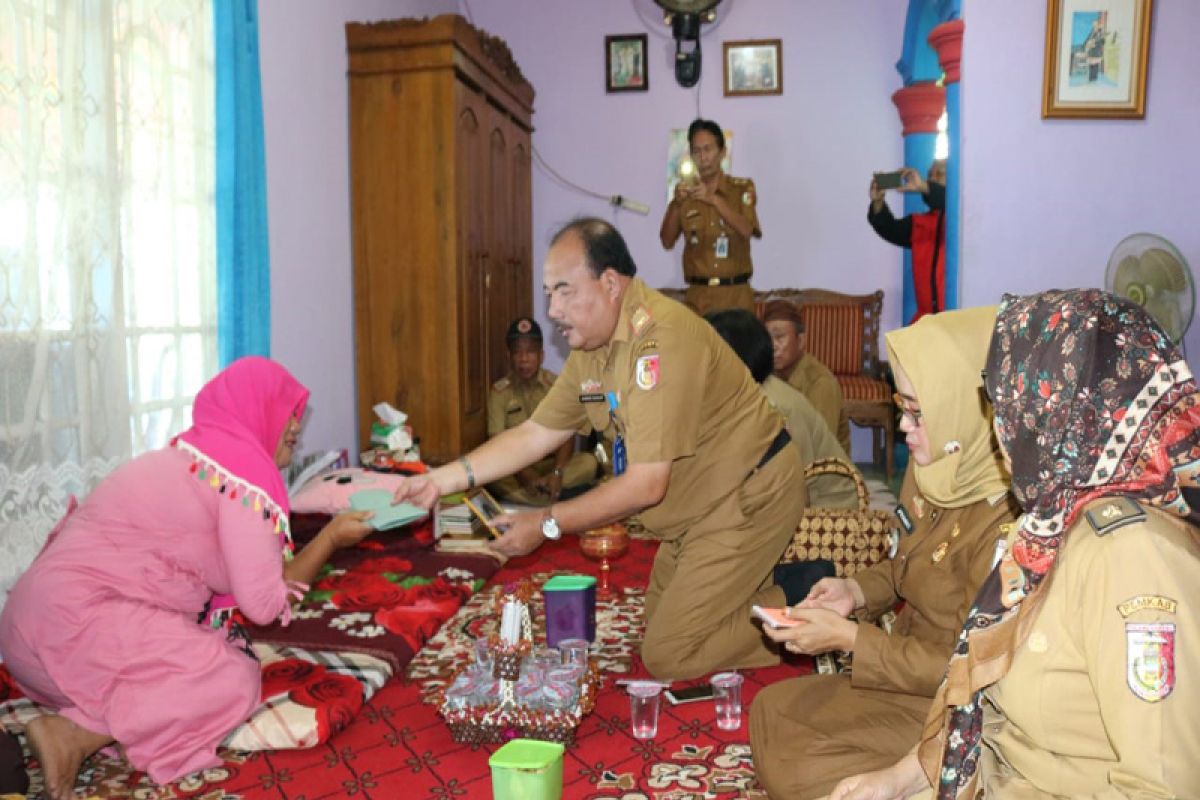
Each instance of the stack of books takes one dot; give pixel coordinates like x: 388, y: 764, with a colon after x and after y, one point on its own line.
x: 458, y: 530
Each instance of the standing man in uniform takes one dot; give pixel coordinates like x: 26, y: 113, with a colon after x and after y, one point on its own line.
x: 802, y: 371
x: 512, y: 401
x: 698, y: 452
x: 716, y: 215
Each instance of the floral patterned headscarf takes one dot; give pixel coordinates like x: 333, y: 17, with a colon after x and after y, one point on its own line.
x: 1091, y: 400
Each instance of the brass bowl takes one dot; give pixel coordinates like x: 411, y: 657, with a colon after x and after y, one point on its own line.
x: 611, y: 541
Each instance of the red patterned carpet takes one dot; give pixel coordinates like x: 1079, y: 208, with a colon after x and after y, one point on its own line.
x: 398, y: 747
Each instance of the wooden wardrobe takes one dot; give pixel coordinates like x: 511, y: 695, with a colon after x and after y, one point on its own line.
x: 440, y: 124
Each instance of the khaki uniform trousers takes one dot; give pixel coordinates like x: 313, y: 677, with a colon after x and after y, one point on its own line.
x: 702, y: 585
x: 703, y: 299
x: 840, y: 730
x: 579, y: 471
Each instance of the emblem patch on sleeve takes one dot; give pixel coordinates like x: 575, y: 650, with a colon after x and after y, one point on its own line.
x: 1150, y: 659
x: 646, y: 372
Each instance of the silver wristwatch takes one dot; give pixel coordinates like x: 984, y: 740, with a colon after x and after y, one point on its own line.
x: 550, y: 527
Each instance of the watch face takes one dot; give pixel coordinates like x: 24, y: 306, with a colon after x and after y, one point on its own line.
x: 687, y: 6
x: 550, y: 528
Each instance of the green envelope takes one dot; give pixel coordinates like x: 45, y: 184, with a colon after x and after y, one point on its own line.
x: 387, y: 516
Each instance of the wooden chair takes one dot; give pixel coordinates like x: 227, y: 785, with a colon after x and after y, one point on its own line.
x: 843, y: 334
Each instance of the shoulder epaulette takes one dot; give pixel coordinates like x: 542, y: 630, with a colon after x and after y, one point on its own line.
x: 1115, y: 512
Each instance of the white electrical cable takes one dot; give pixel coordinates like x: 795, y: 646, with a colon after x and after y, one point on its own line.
x: 616, y: 200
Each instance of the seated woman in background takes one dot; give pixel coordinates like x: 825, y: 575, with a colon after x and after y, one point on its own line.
x: 103, y: 627
x: 810, y: 732
x: 749, y: 338
x: 1063, y: 681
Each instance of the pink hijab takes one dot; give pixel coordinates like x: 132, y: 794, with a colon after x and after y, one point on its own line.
x: 237, y: 420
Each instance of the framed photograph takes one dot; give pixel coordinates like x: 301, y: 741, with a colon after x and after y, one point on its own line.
x: 753, y: 67
x: 625, y: 63
x: 484, y: 506
x: 1096, y: 56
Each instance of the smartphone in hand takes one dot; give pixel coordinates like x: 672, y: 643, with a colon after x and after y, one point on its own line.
x: 775, y: 617
x: 889, y: 180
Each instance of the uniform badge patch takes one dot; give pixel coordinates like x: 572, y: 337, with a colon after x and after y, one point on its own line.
x: 647, y: 372
x: 1150, y: 659
x: 640, y: 320
x: 905, y: 520
x: 589, y: 386
x: 1154, y: 602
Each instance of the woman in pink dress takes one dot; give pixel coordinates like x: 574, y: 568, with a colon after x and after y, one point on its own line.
x: 103, y: 627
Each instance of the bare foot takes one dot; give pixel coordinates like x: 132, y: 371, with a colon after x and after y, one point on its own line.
x: 60, y: 747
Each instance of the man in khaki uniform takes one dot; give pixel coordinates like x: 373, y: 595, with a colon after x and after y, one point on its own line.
x: 807, y: 375
x: 716, y: 215
x: 512, y: 401
x: 697, y: 450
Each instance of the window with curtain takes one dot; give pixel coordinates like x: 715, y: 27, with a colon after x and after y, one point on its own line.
x: 107, y: 244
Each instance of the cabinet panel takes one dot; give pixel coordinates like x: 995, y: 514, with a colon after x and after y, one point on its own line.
x: 439, y: 145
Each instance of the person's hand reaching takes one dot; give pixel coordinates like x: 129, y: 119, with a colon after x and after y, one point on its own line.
x: 348, y: 528
x: 835, y: 594
x: 420, y: 490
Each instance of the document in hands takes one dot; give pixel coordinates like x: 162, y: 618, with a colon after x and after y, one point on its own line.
x: 386, y: 516
x: 775, y: 617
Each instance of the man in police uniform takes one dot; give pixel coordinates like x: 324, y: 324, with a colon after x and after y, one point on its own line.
x: 512, y: 401
x: 698, y: 452
x: 805, y: 374
x: 716, y: 215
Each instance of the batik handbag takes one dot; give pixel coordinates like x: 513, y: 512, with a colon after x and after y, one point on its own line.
x: 853, y: 539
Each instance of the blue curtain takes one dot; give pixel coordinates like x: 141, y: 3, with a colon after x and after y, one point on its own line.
x: 243, y: 252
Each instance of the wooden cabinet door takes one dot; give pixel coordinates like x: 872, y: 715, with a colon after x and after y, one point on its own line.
x: 500, y: 310
x: 475, y: 258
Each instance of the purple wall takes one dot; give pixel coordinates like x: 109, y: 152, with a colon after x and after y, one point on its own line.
x: 810, y: 151
x: 1045, y: 201
x: 302, y: 46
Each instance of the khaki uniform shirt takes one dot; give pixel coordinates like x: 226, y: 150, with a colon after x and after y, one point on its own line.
x: 703, y: 227
x: 814, y: 380
x: 938, y: 568
x: 815, y: 441
x: 681, y: 395
x: 1103, y: 696
x: 512, y: 401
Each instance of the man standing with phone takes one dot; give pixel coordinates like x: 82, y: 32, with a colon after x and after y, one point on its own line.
x: 924, y: 234
x: 715, y: 213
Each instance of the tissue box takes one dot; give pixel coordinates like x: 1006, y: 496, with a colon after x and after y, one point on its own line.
x: 526, y: 769
x: 570, y: 608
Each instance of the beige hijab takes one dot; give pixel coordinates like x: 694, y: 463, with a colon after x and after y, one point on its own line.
x: 942, y: 355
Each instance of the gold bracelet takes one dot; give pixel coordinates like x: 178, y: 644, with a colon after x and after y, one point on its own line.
x: 466, y: 465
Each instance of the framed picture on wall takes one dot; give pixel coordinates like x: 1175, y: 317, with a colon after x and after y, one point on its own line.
x: 625, y: 64
x: 1096, y: 56
x: 753, y: 67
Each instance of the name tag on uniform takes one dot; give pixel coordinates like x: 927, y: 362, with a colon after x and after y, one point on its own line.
x: 721, y: 246
x: 593, y: 397
x: 905, y: 519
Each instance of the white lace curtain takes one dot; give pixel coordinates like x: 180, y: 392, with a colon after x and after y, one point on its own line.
x: 107, y: 288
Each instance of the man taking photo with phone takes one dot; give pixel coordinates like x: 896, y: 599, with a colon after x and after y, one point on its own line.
x: 924, y: 234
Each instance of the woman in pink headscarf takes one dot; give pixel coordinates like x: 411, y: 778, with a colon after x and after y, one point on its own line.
x: 103, y: 627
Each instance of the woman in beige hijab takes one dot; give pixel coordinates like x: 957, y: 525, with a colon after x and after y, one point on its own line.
x: 954, y: 512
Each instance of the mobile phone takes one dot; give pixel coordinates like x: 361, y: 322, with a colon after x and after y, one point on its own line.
x: 889, y: 180
x: 690, y: 694
x: 484, y: 506
x: 775, y: 617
